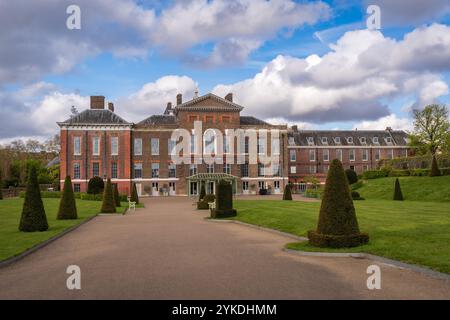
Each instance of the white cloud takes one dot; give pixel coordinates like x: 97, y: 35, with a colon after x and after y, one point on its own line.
x: 362, y: 70
x: 391, y: 120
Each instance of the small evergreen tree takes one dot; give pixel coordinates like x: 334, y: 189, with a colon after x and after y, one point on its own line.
x: 67, y: 206
x: 352, y: 177
x: 134, y: 195
x: 338, y: 226
x: 95, y: 185
x: 108, y: 199
x: 287, y: 195
x: 33, y: 212
x: 224, y: 201
x: 116, y: 195
x: 202, y: 193
x: 398, y: 195
x: 435, y: 172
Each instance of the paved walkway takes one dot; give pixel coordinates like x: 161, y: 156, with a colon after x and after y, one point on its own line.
x: 168, y: 251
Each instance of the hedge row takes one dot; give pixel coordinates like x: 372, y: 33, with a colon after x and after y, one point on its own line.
x: 77, y: 195
x: 384, y: 172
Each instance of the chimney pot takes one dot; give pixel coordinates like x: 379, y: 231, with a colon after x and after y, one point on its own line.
x: 111, y: 106
x: 97, y: 102
x: 179, y: 99
x: 229, y: 97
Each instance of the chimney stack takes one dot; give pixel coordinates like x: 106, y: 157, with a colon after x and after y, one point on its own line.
x: 179, y: 99
x: 229, y: 97
x: 97, y: 102
x: 111, y: 106
x: 389, y: 129
x: 168, y: 108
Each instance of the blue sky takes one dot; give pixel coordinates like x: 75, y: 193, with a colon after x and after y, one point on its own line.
x: 127, y: 58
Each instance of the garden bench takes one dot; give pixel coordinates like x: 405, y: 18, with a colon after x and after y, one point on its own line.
x: 212, y: 205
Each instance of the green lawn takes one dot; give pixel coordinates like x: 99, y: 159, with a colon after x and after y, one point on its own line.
x: 14, y: 242
x: 410, y: 231
x: 413, y: 188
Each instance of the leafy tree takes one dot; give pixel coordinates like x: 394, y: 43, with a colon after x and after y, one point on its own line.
x: 67, y: 206
x: 116, y: 195
x: 431, y: 128
x: 108, y: 205
x: 434, y: 172
x: 338, y: 226
x: 352, y: 177
x: 134, y: 194
x: 398, y: 195
x: 33, y: 212
x: 287, y: 195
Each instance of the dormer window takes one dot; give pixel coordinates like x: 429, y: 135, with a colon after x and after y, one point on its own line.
x: 324, y: 140
x: 362, y: 140
x: 337, y: 140
x: 375, y: 140
x: 291, y: 141
x: 388, y: 140
x: 310, y: 141
x: 349, y: 140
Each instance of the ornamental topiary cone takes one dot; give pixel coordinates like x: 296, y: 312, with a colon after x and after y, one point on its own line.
x: 33, y: 212
x: 202, y: 193
x: 224, y: 201
x: 108, y: 205
x: 116, y: 195
x: 398, y: 191
x: 287, y: 195
x: 338, y: 226
x: 134, y: 194
x: 435, y: 172
x: 67, y: 206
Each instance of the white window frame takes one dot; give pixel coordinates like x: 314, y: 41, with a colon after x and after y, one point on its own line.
x: 337, y: 140
x: 294, y: 169
x: 77, y: 146
x: 96, y: 146
x: 154, y: 146
x: 313, y: 153
x: 324, y: 140
x: 326, y: 152
x: 155, y: 170
x: 365, y: 155
x: 292, y: 155
x: 138, y: 146
x: 76, y: 165
x: 339, y: 154
x: 114, y: 146
x: 351, y: 152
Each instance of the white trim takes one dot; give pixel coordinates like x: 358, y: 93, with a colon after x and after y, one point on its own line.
x: 156, y: 180
x: 349, y: 147
x: 96, y: 128
x: 264, y: 178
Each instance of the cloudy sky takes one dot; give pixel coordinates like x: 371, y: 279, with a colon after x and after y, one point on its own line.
x: 310, y: 63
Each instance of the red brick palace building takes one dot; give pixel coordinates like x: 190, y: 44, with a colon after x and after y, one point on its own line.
x: 98, y: 142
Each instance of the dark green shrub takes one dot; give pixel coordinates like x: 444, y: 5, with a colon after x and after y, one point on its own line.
x: 224, y: 201
x: 202, y: 193
x: 338, y: 226
x: 134, y: 194
x: 352, y: 177
x: 435, y: 172
x: 91, y: 197
x: 1, y: 195
x: 445, y: 171
x: 108, y: 205
x: 357, y: 185
x: 96, y: 185
x: 287, y: 194
x: 376, y: 174
x: 204, y: 204
x: 33, y: 212
x: 400, y: 173
x: 116, y: 195
x: 398, y: 191
x: 420, y: 172
x: 67, y: 206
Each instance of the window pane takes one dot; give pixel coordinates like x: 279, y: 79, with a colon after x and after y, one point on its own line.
x: 155, y: 146
x: 76, y: 171
x: 96, y: 146
x: 114, y: 146
x: 138, y: 147
x: 77, y: 146
x: 114, y: 170
x: 95, y: 169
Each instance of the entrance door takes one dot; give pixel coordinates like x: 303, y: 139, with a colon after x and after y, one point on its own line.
x: 210, y: 188
x: 139, y: 189
x: 172, y: 190
x: 193, y: 189
x: 155, y: 189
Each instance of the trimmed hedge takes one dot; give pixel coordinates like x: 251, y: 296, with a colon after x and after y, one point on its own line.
x: 108, y: 205
x: 33, y: 213
x: 224, y: 201
x: 116, y: 195
x: 134, y: 195
x: 338, y: 225
x: 383, y: 173
x: 204, y: 204
x: 287, y: 194
x: 352, y: 177
x: 398, y: 191
x: 96, y: 185
x: 67, y: 206
x: 202, y: 193
x: 356, y: 196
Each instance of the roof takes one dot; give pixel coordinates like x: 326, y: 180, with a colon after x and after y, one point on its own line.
x: 53, y: 162
x: 212, y: 176
x: 348, y: 138
x: 215, y: 103
x: 158, y: 120
x: 249, y: 120
x: 95, y: 116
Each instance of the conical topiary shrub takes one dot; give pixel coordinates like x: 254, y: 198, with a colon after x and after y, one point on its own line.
x: 435, y: 172
x: 134, y: 195
x: 108, y: 205
x: 33, y: 212
x: 338, y: 226
x: 287, y: 195
x: 224, y: 201
x: 116, y: 195
x: 67, y: 206
x: 202, y: 193
x: 398, y: 191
